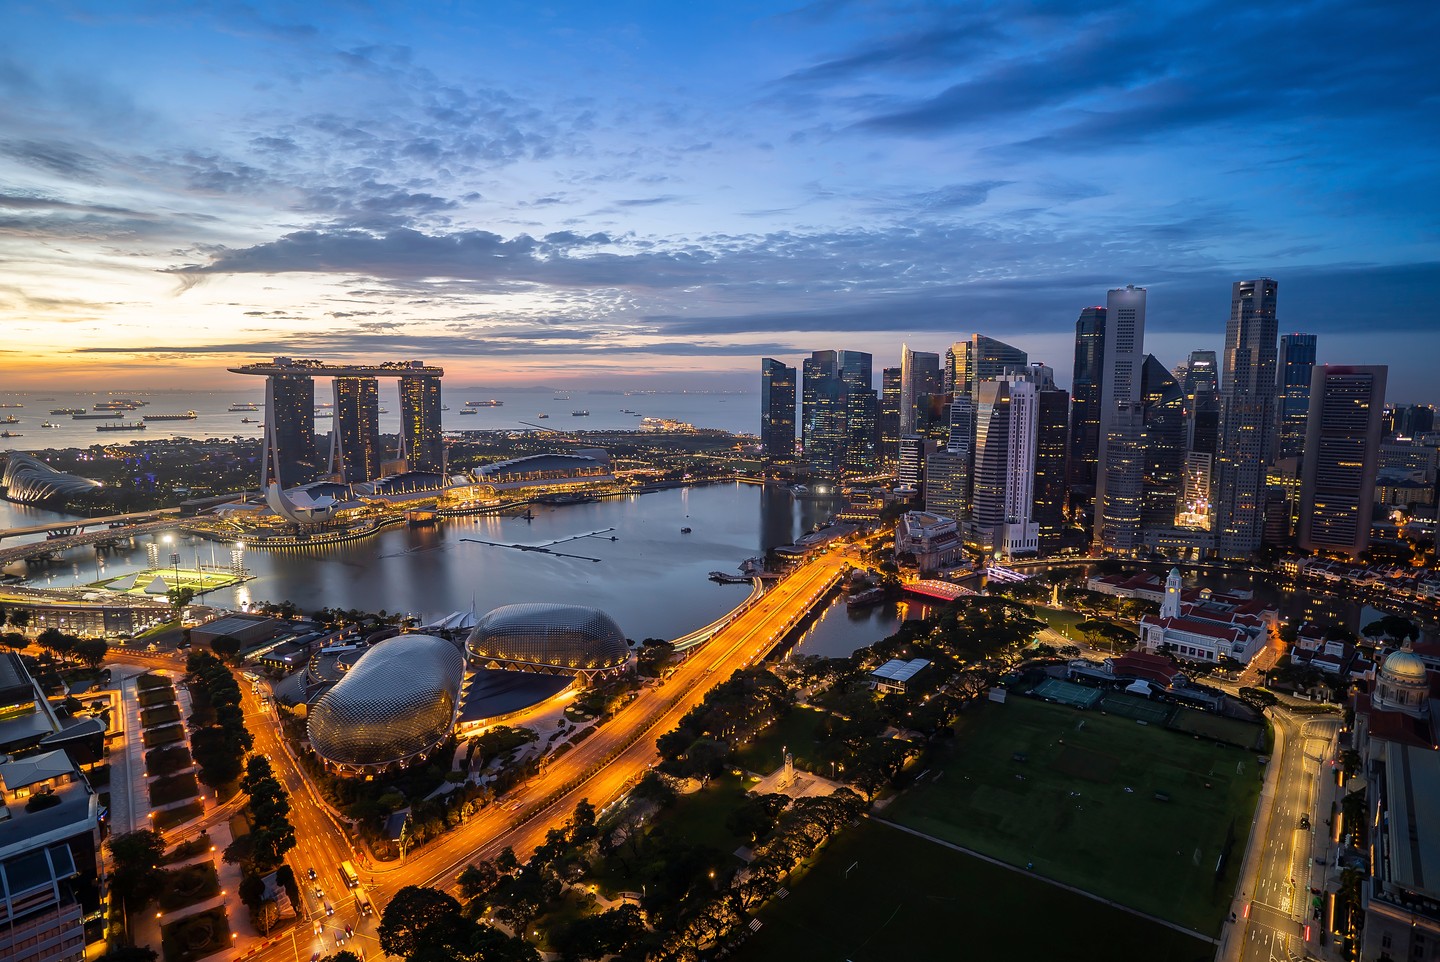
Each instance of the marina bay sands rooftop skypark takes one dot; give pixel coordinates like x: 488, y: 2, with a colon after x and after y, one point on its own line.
x: 313, y: 368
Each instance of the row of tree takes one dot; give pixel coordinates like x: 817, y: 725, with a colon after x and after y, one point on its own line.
x: 218, y: 737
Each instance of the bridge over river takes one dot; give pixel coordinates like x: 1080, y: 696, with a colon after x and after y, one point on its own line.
x: 35, y: 550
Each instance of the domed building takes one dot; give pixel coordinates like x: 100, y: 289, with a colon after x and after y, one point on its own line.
x: 393, y: 707
x: 548, y: 638
x: 1403, y: 683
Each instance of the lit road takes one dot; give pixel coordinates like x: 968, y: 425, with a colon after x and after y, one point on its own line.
x: 1277, y: 894
x: 600, y: 769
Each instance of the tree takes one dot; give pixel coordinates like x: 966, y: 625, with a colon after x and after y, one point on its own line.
x: 477, y: 879
x: 506, y: 862
x: 264, y: 916
x: 137, y: 876
x: 20, y: 618
x: 285, y: 878
x: 252, y: 890
x: 1258, y: 697
x: 180, y: 596
x: 91, y: 651
x: 417, y: 920
x: 344, y: 955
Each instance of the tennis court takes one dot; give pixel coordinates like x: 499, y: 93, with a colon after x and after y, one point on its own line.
x: 1141, y: 709
x: 1067, y: 693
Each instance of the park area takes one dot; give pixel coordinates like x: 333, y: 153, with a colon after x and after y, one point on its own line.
x: 877, y: 894
x: 1125, y: 810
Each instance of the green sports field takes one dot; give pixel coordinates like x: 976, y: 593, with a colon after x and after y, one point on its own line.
x: 1032, y: 782
x: 907, y: 898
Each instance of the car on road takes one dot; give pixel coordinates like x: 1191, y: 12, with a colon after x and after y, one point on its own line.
x: 310, y: 872
x: 319, y: 893
x: 1305, y: 821
x: 329, y: 909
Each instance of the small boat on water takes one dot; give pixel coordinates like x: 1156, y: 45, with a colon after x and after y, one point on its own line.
x: 684, y: 530
x: 10, y: 434
x: 46, y: 424
x: 10, y: 419
x: 542, y: 415
x: 247, y: 420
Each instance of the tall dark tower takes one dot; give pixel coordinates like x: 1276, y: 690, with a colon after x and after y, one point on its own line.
x: 1294, y: 364
x: 1342, y: 457
x: 421, y: 442
x: 822, y: 419
x: 1165, y: 446
x: 289, y: 430
x: 777, y: 410
x: 1247, y: 417
x: 1051, y: 435
x: 355, y: 434
x: 1085, y: 408
x: 890, y: 414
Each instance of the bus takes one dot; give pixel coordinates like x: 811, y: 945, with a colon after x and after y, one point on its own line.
x: 347, y: 872
x: 362, y: 902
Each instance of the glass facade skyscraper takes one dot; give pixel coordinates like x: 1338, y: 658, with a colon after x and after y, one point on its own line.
x: 777, y: 410
x: 1342, y: 457
x: 1247, y: 417
x: 1294, y: 365
x: 1085, y: 407
x: 421, y: 440
x: 289, y: 431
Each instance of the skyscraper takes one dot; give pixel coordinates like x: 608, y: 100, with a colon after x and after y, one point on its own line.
x: 1165, y: 446
x: 1201, y: 377
x: 1247, y: 417
x: 839, y: 413
x: 1051, y: 449
x: 777, y: 410
x: 1294, y: 364
x: 289, y: 430
x: 1085, y: 407
x: 919, y: 378
x: 979, y: 359
x: 889, y: 414
x: 355, y: 432
x: 1342, y: 456
x: 1120, y: 463
x: 910, y: 472
x: 947, y: 472
x: 1003, y: 483
x: 421, y: 442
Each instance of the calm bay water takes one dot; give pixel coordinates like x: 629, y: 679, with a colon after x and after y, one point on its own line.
x: 737, y: 413
x: 651, y: 578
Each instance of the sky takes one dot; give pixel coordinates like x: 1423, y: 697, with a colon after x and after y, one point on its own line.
x: 657, y: 194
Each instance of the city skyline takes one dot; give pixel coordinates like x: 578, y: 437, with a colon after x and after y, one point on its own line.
x: 360, y: 184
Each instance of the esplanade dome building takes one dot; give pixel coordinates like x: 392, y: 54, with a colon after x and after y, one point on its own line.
x: 551, y: 639
x: 394, y: 706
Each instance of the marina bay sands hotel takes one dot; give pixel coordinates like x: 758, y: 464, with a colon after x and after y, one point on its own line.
x: 292, y: 456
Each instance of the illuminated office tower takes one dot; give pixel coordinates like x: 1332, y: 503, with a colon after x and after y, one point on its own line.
x: 1120, y: 462
x: 1342, y: 457
x: 777, y: 410
x: 1293, y: 366
x: 1003, y: 478
x: 919, y: 378
x: 947, y: 471
x: 289, y: 430
x: 422, y: 444
x: 1247, y: 418
x: 1085, y: 409
x: 980, y: 359
x: 839, y: 411
x: 910, y: 472
x: 889, y: 414
x: 1165, y: 446
x: 355, y: 432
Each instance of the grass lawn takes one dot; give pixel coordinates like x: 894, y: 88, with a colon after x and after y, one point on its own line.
x: 155, y: 697
x: 1061, y: 620
x: 147, y: 681
x: 159, y: 715
x: 172, y: 788
x: 165, y: 761
x: 907, y: 898
x: 796, y: 731
x: 168, y: 735
x: 1065, y: 808
x: 196, y: 936
x: 188, y: 885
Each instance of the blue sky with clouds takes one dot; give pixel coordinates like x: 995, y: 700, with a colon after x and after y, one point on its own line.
x: 528, y: 191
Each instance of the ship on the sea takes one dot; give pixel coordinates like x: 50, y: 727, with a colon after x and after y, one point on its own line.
x: 580, y: 414
x: 492, y: 403
x: 11, y: 404
x: 324, y: 414
x: 116, y: 405
x: 10, y: 434
x: 469, y: 411
x: 244, y: 406
x: 122, y: 426
x: 11, y: 419
x: 47, y: 424
x: 102, y: 416
x: 187, y: 416
x: 68, y: 411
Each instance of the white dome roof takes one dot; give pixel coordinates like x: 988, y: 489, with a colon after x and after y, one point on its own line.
x: 1405, y: 665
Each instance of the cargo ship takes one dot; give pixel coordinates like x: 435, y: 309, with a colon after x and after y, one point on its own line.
x: 102, y: 416
x: 122, y: 426
x: 244, y: 406
x: 11, y: 404
x: 187, y: 416
x: 492, y: 403
x: 579, y: 414
x: 68, y: 411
